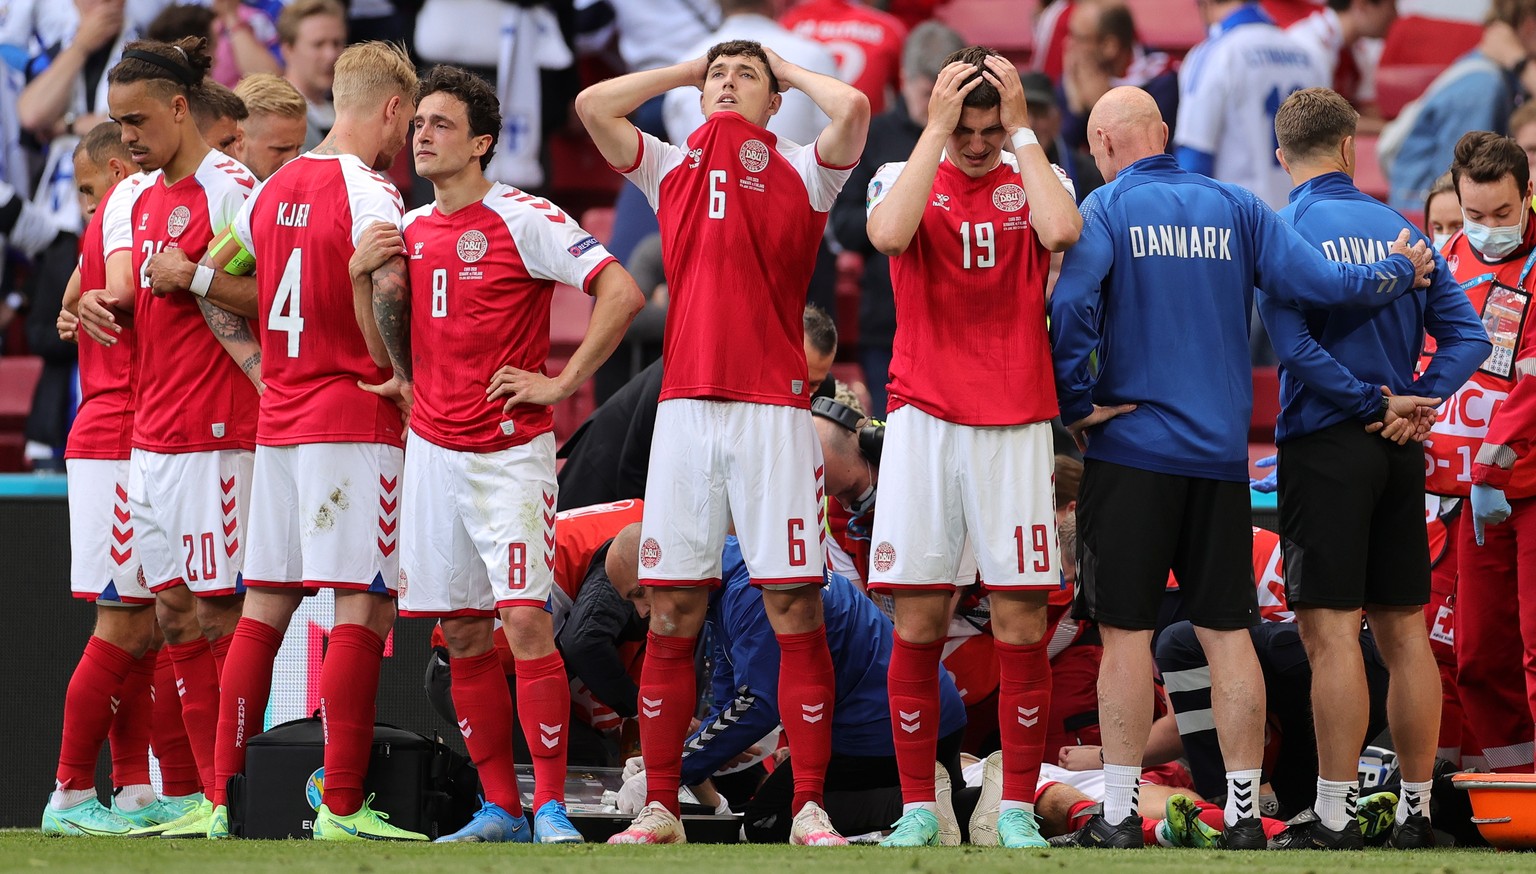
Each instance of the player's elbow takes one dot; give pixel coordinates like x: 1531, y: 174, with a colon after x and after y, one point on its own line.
x: 852, y: 107
x: 1062, y: 233
x: 887, y: 240
x: 589, y: 104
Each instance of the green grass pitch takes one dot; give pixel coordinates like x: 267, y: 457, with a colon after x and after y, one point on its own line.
x: 30, y: 852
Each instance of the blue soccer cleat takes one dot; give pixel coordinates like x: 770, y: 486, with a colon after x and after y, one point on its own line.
x: 491, y: 825
x: 552, y: 825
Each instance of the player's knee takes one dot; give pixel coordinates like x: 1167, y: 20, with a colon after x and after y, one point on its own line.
x: 530, y: 632
x: 130, y: 628
x: 793, y: 611
x: 678, y: 612
x: 1019, y: 619
x: 177, y: 620
x: 468, y: 636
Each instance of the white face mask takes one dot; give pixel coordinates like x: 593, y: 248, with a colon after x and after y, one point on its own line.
x: 1494, y: 243
x: 1440, y: 240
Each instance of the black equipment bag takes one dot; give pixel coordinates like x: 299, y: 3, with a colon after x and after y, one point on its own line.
x: 421, y: 783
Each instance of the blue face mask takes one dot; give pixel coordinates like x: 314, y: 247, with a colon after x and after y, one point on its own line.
x: 1440, y: 240
x: 1494, y: 243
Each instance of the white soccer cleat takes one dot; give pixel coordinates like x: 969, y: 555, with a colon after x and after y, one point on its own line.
x: 949, y: 825
x: 813, y: 828
x: 984, y: 818
x: 654, y: 825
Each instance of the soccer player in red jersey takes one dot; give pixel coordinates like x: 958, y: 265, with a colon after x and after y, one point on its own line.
x: 109, y: 692
x: 471, y: 339
x: 742, y: 213
x: 194, y: 412
x: 865, y: 41
x: 970, y: 223
x: 325, y: 500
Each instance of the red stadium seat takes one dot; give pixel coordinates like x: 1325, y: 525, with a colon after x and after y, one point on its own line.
x: 1169, y: 25
x: 1266, y: 405
x: 18, y: 381
x: 1004, y: 25
x: 1416, y: 51
x: 599, y: 223
x: 1369, y: 175
x: 850, y: 269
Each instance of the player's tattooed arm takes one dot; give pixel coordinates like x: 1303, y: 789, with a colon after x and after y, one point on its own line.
x: 234, y: 334
x: 380, y: 242
x: 392, y: 314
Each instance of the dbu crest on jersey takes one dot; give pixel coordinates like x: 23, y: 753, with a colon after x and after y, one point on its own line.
x: 754, y: 156
x: 178, y: 221
x: 885, y: 556
x: 650, y: 553
x: 472, y: 246
x: 1008, y: 198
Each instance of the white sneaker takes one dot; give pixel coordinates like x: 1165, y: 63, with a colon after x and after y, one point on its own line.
x: 813, y: 828
x: 654, y: 825
x: 984, y: 818
x: 949, y: 826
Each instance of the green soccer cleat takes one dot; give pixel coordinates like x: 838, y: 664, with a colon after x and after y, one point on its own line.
x: 916, y: 828
x: 1182, y: 826
x: 1377, y: 814
x: 218, y: 824
x: 194, y: 824
x: 161, y: 812
x: 366, y: 824
x: 86, y: 819
x: 1019, y: 829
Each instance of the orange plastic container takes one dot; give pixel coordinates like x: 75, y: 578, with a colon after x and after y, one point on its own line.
x: 1503, y: 807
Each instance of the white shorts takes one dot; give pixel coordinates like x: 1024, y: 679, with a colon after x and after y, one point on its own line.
x: 941, y: 482
x: 103, y: 564
x: 718, y: 462
x: 479, y: 528
x: 325, y: 515
x: 1090, y: 783
x: 189, y: 512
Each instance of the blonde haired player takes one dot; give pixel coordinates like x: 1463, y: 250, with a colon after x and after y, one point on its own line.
x: 325, y: 505
x: 273, y: 131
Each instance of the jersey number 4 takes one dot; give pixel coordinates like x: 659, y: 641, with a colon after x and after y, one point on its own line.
x: 285, y: 316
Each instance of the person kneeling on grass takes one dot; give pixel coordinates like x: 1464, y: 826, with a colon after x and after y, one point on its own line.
x: 863, y: 788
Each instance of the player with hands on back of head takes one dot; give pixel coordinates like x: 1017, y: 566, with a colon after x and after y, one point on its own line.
x: 970, y: 222
x: 484, y: 260
x: 325, y: 504
x: 742, y: 213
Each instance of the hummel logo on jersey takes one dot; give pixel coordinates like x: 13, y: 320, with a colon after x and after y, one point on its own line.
x: 115, y: 702
x: 464, y: 728
x: 910, y: 722
x: 416, y: 253
x: 941, y: 201
x: 812, y: 713
x: 1028, y: 717
x: 695, y: 157
x: 650, y: 708
x: 144, y: 222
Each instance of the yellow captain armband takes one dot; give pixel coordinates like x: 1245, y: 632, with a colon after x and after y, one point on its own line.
x: 242, y: 263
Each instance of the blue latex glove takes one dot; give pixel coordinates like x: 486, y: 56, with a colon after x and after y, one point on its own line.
x: 1269, y: 484
x: 1489, y: 507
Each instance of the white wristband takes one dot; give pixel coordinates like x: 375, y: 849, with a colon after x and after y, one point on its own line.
x: 202, y: 280
x: 1024, y: 137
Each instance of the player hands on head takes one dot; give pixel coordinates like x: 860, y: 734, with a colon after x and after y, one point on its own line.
x: 485, y: 260
x: 324, y: 445
x: 733, y: 432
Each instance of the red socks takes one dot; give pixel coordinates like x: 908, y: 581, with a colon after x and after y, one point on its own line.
x: 88, y: 703
x: 349, y: 683
x: 197, y: 682
x: 668, y: 696
x: 220, y: 649
x: 913, y: 685
x: 1023, y: 715
x: 178, y: 768
x: 484, y: 708
x: 245, y: 687
x: 131, y: 725
x: 544, y: 708
x: 806, y: 692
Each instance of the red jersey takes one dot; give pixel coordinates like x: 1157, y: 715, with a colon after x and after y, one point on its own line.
x: 302, y: 226
x: 481, y: 283
x: 742, y: 214
x: 1496, y: 404
x: 190, y: 396
x: 971, y: 345
x: 103, y: 427
x: 865, y: 42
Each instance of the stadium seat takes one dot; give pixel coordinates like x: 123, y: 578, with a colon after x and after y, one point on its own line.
x: 1416, y: 51
x: 18, y: 381
x: 598, y: 222
x: 1369, y: 175
x: 1004, y: 25
x: 1266, y: 405
x: 1168, y: 25
x: 850, y: 269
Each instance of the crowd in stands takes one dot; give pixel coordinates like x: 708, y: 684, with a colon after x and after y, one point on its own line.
x: 1218, y: 72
